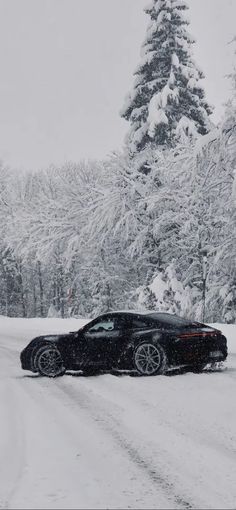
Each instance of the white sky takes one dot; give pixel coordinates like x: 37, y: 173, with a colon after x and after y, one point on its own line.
x: 66, y: 66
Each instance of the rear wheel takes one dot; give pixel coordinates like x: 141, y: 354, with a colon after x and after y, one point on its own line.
x: 149, y: 359
x: 48, y: 361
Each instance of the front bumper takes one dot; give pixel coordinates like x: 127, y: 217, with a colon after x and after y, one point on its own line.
x: 25, y: 359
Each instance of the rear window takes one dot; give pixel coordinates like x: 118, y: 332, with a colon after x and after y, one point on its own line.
x: 171, y: 321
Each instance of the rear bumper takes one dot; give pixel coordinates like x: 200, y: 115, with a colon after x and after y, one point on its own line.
x: 206, y: 350
x: 215, y: 356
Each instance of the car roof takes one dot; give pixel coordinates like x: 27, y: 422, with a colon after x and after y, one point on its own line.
x: 163, y: 317
x: 133, y: 312
x: 151, y: 314
x: 130, y: 312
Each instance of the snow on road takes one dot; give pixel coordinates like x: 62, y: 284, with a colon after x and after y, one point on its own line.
x: 114, y: 441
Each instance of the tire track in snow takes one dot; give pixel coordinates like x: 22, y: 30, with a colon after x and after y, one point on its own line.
x: 112, y: 426
x: 147, y: 490
x: 201, y: 437
x: 158, y: 463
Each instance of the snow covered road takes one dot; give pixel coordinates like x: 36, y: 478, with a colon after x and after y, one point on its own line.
x: 114, y: 441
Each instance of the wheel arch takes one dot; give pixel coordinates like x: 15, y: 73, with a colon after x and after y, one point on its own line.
x: 142, y: 349
x: 35, y: 349
x: 136, y: 338
x: 53, y: 365
x: 155, y: 337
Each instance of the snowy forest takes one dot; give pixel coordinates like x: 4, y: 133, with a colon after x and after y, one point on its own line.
x: 152, y: 226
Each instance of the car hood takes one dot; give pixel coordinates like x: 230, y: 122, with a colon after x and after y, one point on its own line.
x: 51, y: 338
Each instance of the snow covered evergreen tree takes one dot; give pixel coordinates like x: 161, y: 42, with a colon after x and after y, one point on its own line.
x: 165, y: 293
x: 167, y: 102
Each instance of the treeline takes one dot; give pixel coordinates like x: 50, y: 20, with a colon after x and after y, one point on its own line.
x: 91, y: 237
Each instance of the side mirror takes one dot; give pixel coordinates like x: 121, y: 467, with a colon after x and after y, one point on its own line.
x: 77, y: 333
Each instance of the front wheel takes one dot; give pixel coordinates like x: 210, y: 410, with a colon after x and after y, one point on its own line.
x: 149, y: 359
x: 48, y: 361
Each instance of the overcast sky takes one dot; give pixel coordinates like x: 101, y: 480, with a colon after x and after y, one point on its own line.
x: 66, y: 66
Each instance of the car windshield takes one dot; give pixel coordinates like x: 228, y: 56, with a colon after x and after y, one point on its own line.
x: 172, y: 320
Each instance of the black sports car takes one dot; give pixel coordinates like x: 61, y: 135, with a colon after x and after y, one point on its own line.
x: 149, y: 343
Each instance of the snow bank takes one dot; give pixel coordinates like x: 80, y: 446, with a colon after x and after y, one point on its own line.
x: 17, y: 332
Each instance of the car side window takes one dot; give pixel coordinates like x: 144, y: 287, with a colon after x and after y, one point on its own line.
x: 102, y: 325
x: 140, y: 324
x: 107, y: 324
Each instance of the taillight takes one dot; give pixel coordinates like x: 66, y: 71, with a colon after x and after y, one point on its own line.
x: 199, y: 334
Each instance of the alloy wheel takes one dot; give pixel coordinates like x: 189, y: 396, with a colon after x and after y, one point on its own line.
x: 50, y: 362
x: 148, y: 359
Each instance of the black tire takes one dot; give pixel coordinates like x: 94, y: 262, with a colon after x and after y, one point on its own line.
x: 48, y: 361
x: 149, y: 359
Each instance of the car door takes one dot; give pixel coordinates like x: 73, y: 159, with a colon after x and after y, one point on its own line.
x: 103, y: 340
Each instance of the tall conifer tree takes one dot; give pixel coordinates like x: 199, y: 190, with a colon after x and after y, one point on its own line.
x: 167, y: 101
